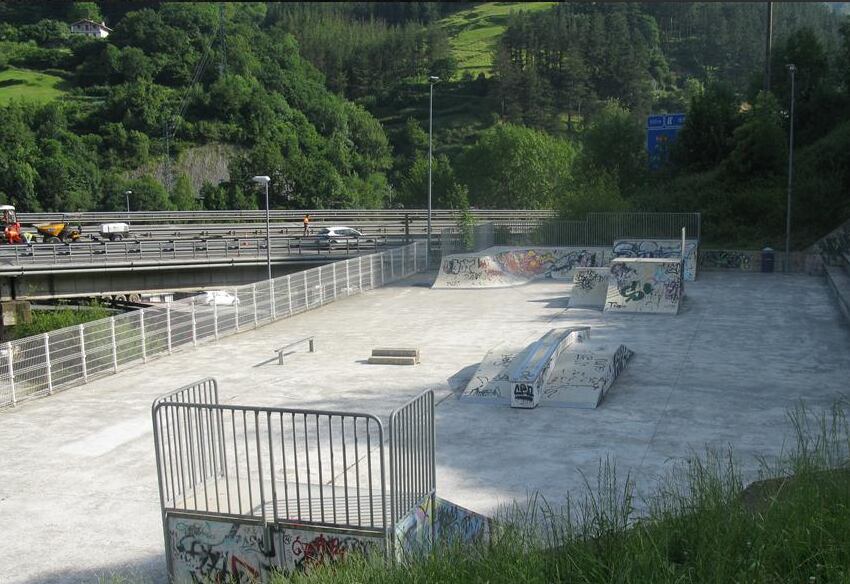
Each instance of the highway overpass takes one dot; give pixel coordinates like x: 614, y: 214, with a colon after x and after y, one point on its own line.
x: 82, y: 269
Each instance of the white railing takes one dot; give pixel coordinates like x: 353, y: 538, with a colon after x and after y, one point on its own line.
x: 40, y: 365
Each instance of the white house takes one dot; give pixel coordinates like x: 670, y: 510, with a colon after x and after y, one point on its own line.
x: 91, y: 28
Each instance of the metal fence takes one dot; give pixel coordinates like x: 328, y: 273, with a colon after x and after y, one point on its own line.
x: 598, y: 229
x: 413, y: 475
x: 291, y: 467
x: 37, y: 366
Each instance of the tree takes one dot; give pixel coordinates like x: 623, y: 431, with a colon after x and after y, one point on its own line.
x: 183, y: 196
x: 513, y: 167
x: 759, y: 142
x: 615, y: 142
x: 446, y: 193
x: 706, y: 138
x: 87, y: 10
x: 590, y: 190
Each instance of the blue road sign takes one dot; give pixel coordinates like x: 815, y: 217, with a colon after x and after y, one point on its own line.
x: 661, y: 132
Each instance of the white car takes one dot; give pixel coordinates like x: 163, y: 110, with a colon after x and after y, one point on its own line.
x: 337, y: 236
x: 220, y: 298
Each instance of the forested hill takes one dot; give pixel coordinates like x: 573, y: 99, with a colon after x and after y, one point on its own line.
x: 539, y: 104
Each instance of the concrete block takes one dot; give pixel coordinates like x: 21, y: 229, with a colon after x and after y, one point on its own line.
x: 590, y: 287
x: 392, y: 360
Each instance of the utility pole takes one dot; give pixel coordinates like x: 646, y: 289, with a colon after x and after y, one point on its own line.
x: 768, y: 44
x: 432, y: 80
x: 792, y: 70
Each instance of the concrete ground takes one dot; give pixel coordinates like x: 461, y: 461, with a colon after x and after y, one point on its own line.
x: 78, y: 495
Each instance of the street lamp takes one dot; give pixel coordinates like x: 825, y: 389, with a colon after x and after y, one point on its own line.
x: 127, y: 196
x: 264, y: 180
x: 431, y: 80
x: 792, y: 69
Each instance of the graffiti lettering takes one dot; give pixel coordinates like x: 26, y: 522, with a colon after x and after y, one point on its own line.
x: 524, y: 392
x: 323, y: 549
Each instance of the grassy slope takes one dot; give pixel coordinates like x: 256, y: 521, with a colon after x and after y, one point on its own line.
x: 28, y: 85
x: 474, y: 32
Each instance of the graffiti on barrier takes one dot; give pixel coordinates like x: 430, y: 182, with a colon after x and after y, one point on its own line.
x: 214, y: 551
x: 456, y: 524
x: 645, y: 285
x: 510, y: 267
x: 307, y: 549
x: 727, y: 260
x: 413, y: 531
x: 659, y: 248
x: 834, y: 244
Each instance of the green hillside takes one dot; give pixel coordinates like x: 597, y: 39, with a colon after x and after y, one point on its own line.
x: 475, y: 31
x: 29, y: 85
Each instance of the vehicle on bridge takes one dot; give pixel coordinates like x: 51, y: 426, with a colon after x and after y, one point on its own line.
x: 11, y: 226
x: 339, y: 236
x: 115, y: 231
x: 58, y: 232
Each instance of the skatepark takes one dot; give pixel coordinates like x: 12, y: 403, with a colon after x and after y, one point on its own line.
x: 79, y: 479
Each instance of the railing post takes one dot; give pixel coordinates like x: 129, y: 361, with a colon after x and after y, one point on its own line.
x: 114, y: 345
x: 383, y: 254
x: 347, y: 278
x: 83, y: 357
x: 312, y: 347
x: 11, y: 368
x: 254, y: 302
x: 415, y: 269
x: 333, y: 276
x: 236, y: 308
x: 289, y: 293
x: 194, y: 325
x: 47, y: 361
x: 306, y: 293
x: 168, y: 326
x: 272, y: 299
x: 392, y: 265
x: 142, y: 328
x: 360, y: 274
x: 215, y: 318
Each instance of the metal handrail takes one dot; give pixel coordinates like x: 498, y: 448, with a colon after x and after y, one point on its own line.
x: 290, y: 345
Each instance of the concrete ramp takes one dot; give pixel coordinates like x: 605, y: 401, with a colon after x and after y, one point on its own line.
x: 584, y: 374
x: 645, y: 285
x: 590, y: 287
x: 563, y: 369
x: 500, y: 267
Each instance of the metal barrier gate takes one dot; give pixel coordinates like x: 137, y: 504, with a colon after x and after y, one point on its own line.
x: 245, y: 489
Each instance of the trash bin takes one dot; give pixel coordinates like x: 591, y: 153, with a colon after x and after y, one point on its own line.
x: 768, y: 259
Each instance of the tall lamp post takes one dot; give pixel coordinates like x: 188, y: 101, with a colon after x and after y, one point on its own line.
x: 127, y: 196
x: 792, y: 69
x: 264, y: 180
x: 431, y: 80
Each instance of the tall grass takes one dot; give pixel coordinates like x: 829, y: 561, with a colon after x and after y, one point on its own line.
x: 700, y: 525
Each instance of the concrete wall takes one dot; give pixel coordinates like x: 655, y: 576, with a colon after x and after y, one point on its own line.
x: 218, y: 550
x: 660, y: 248
x: 451, y: 523
x: 644, y: 285
x: 506, y: 266
x: 202, y: 550
x: 754, y: 261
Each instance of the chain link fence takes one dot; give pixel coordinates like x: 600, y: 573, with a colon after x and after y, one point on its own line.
x: 597, y: 229
x: 40, y: 365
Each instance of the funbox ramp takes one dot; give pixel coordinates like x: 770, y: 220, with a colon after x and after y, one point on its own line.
x: 500, y: 267
x: 645, y: 285
x: 562, y: 369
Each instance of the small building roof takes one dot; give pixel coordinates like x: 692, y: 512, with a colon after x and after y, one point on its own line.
x: 98, y: 24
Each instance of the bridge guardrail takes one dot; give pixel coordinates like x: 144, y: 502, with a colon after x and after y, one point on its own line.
x: 17, y: 256
x: 292, y: 215
x: 40, y: 365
